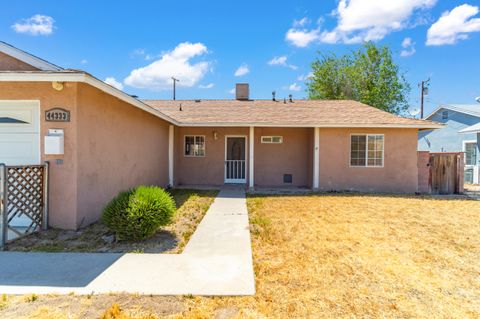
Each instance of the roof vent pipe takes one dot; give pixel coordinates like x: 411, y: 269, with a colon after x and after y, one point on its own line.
x: 290, y: 98
x: 273, y: 95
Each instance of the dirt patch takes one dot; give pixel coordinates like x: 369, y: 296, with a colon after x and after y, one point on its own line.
x: 192, y: 206
x: 73, y: 307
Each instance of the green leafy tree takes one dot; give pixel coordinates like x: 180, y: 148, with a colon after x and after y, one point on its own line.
x: 367, y: 75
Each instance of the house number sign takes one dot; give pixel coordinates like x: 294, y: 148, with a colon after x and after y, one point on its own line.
x: 57, y: 115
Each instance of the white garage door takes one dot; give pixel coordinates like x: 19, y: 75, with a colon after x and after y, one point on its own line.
x: 19, y: 132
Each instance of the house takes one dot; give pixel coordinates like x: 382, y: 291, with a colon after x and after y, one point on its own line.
x: 455, y: 137
x: 100, y: 140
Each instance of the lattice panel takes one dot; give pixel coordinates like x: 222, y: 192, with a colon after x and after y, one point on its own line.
x: 25, y: 197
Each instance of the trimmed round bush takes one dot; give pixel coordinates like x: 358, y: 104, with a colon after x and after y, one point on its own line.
x: 138, y: 213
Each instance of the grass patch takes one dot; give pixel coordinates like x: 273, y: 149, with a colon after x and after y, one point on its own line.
x: 192, y: 206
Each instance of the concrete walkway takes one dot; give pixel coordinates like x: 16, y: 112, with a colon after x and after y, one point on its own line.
x: 216, y: 261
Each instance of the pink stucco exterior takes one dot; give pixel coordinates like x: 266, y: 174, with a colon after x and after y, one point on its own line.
x: 398, y: 175
x: 109, y: 146
x: 118, y: 147
x: 294, y: 156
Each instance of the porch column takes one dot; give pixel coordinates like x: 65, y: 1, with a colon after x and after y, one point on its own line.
x: 251, y: 143
x: 316, y: 157
x: 171, y: 130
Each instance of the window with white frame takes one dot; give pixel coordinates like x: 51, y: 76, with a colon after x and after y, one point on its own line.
x: 470, y: 153
x: 272, y: 139
x: 194, y: 145
x: 366, y: 150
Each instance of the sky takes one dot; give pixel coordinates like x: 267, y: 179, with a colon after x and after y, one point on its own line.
x: 138, y: 46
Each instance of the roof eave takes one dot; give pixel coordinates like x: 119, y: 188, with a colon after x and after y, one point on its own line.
x: 82, y: 77
x: 338, y: 125
x: 28, y: 58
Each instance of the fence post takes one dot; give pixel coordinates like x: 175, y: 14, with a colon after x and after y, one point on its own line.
x: 3, y: 206
x: 45, y: 196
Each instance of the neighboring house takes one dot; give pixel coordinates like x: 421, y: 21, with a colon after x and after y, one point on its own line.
x: 114, y: 141
x: 456, y: 117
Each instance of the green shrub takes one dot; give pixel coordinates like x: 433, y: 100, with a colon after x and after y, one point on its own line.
x: 138, y: 213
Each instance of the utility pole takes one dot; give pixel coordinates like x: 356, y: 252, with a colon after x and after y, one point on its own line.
x: 174, y: 86
x: 423, y: 91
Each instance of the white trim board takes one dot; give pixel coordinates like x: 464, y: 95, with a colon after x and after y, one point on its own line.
x: 452, y: 108
x: 27, y: 58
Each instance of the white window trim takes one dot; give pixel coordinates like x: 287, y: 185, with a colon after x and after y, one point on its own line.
x: 194, y: 136
x: 464, y: 148
x: 366, y: 151
x: 271, y: 139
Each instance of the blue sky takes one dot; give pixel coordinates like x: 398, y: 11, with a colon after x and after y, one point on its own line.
x: 142, y: 43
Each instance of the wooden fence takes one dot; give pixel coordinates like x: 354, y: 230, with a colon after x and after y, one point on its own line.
x: 440, y: 173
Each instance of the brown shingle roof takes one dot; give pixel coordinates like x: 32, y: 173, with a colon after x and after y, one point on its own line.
x: 302, y: 113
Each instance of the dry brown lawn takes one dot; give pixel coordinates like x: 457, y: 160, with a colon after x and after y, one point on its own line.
x: 353, y: 256
x: 343, y: 256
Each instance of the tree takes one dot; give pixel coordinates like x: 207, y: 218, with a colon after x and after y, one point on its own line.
x: 367, y: 75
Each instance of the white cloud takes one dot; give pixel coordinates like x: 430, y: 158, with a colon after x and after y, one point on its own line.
x: 367, y: 20
x: 231, y: 91
x: 454, y: 25
x: 302, y: 22
x: 84, y: 61
x: 302, y: 37
x: 408, y: 47
x: 281, y: 60
x: 35, y: 25
x: 206, y: 86
x: 304, y: 77
x: 176, y: 63
x: 141, y: 52
x: 242, y: 70
x: 294, y: 87
x: 113, y: 82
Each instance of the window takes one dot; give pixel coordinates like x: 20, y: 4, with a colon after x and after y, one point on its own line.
x: 272, y: 139
x: 366, y: 150
x: 194, y: 145
x: 445, y: 115
x: 470, y: 153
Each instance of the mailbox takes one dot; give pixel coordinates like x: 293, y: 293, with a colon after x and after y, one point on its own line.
x: 54, y: 142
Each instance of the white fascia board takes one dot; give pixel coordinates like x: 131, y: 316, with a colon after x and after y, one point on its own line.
x: 28, y: 58
x: 83, y: 78
x: 451, y: 108
x: 242, y: 124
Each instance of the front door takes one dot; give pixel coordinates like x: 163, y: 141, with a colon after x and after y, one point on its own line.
x: 235, y: 155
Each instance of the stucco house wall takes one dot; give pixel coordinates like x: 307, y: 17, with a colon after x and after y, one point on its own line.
x: 63, y: 177
x: 9, y: 63
x: 447, y: 139
x: 110, y: 146
x: 293, y: 156
x: 398, y: 175
x: 208, y: 169
x: 119, y: 147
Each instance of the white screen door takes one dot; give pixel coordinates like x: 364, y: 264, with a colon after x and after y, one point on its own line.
x: 235, y: 155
